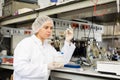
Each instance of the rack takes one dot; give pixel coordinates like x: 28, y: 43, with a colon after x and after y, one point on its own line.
x: 52, y: 10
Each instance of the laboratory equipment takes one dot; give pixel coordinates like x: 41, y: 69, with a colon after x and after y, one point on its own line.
x: 81, y: 48
x: 108, y: 67
x: 11, y: 37
x: 59, y: 57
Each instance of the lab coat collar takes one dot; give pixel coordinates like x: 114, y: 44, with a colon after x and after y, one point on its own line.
x: 38, y: 41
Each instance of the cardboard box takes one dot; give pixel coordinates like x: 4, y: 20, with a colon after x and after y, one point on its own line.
x: 11, y: 7
x: 44, y: 3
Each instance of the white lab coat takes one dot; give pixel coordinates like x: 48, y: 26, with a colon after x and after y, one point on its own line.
x: 31, y: 58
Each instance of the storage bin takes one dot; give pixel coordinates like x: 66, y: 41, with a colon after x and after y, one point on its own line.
x: 11, y: 7
x: 44, y: 3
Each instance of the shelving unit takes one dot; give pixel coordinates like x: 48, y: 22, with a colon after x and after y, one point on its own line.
x: 56, y: 9
x: 110, y: 36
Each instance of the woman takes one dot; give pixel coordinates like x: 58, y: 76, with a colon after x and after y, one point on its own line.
x: 34, y: 56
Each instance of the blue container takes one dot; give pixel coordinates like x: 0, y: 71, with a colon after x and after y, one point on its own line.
x: 54, y: 0
x: 72, y: 66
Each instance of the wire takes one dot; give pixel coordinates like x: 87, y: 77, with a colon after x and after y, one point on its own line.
x: 95, y: 9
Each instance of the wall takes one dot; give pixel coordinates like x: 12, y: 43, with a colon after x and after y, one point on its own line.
x: 108, y: 29
x: 1, y: 6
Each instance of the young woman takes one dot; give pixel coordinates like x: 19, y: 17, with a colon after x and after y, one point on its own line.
x: 34, y: 56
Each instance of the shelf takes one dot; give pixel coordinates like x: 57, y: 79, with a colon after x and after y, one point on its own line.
x: 75, y: 5
x: 110, y: 36
x: 6, y: 67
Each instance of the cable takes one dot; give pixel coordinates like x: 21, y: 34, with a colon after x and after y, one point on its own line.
x: 1, y: 39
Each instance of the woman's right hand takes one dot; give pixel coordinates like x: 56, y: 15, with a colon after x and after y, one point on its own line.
x: 55, y: 65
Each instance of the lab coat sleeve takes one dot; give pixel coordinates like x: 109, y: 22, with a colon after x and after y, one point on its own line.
x: 23, y: 67
x: 68, y: 50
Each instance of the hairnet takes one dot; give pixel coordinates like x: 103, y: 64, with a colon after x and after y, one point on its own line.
x: 38, y: 23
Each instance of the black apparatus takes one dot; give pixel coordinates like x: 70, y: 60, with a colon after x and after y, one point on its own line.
x: 5, y: 43
x: 81, y: 48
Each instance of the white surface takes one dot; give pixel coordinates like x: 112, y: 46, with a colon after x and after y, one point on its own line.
x: 88, y: 71
x: 77, y: 72
x: 109, y: 66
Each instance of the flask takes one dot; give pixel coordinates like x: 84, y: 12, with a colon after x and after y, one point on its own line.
x: 59, y: 57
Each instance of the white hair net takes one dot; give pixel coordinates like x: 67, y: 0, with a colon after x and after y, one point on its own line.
x: 38, y: 23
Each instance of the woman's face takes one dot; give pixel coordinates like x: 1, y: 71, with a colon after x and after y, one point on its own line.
x: 46, y: 30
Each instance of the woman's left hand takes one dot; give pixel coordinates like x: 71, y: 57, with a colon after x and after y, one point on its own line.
x: 68, y: 34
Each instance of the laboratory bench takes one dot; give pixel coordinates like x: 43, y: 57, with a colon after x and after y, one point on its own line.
x: 82, y: 74
x: 86, y: 73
